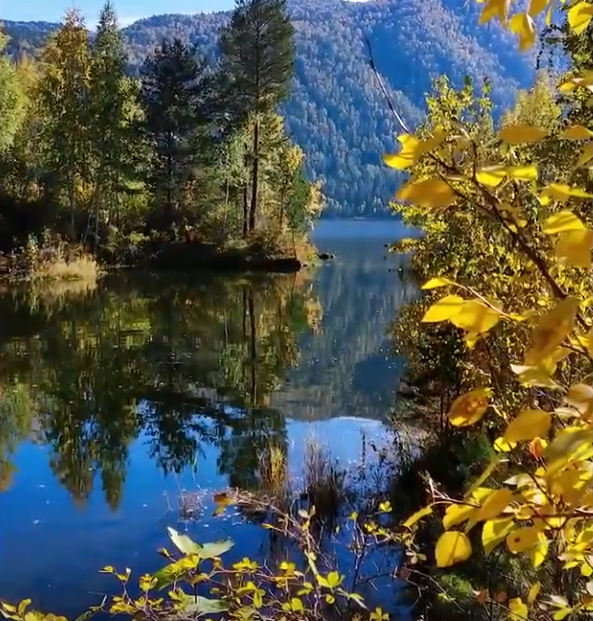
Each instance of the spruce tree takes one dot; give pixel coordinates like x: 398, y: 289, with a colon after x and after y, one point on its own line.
x: 172, y: 80
x: 111, y: 100
x: 258, y: 57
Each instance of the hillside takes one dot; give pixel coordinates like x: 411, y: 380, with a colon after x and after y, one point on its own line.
x: 336, y: 111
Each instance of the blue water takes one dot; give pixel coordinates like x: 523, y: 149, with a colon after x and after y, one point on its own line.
x: 339, y: 387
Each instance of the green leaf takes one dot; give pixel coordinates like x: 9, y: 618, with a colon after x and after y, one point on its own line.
x: 172, y: 572
x: 215, y: 549
x: 205, y: 551
x: 334, y: 579
x: 197, y: 606
x: 182, y: 542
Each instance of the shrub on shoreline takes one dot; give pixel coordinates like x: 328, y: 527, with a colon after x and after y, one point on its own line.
x: 50, y: 259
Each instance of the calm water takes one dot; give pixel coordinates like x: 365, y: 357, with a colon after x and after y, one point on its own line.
x: 113, y: 403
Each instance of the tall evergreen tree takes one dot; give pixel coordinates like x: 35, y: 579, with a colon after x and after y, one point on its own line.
x: 63, y: 100
x: 170, y: 99
x: 258, y: 54
x: 110, y: 106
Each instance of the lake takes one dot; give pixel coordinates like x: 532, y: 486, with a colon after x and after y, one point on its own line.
x: 119, y: 400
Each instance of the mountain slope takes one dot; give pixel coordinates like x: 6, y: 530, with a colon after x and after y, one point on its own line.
x: 336, y: 111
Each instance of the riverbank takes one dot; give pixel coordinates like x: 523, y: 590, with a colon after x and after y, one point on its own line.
x: 56, y: 260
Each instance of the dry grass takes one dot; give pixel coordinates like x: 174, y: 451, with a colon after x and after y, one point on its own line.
x: 324, y: 480
x: 79, y: 268
x: 51, y: 260
x: 273, y: 472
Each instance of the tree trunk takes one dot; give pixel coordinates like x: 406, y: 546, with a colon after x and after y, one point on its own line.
x: 255, y: 176
x: 253, y: 348
x: 169, y: 207
x: 245, y: 210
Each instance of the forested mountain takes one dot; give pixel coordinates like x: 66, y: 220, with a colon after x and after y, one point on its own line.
x: 336, y: 111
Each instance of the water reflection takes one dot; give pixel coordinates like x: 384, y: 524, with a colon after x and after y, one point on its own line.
x: 186, y: 363
x: 115, y: 401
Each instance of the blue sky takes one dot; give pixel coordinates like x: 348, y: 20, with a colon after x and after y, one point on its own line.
x: 128, y: 10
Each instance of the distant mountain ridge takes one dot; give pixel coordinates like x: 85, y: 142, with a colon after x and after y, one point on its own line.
x: 336, y: 111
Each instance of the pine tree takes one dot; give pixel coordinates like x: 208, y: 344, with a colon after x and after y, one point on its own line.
x: 258, y: 55
x: 111, y: 100
x: 172, y: 79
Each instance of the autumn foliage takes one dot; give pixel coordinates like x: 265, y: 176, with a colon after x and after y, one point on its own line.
x: 526, y: 303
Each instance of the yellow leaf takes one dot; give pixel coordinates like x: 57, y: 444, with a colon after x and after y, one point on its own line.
x: 501, y: 446
x: 586, y: 156
x: 550, y: 13
x: 574, y: 248
x: 474, y: 315
x: 452, y: 547
x: 520, y: 134
x: 475, y: 490
x: 495, y: 8
x: 494, y: 531
x: 522, y: 173
x: 561, y: 222
x: 523, y: 26
x: 539, y: 551
x: 430, y: 144
x: 494, y: 504
x: 519, y: 610
x: 585, y: 79
x: 537, y: 447
x: 491, y: 176
x: 579, y: 16
x: 537, y: 6
x: 534, y: 592
x: 444, y: 309
x: 561, y: 192
x: 567, y: 445
x: 577, y: 132
x: 417, y: 516
x: 480, y: 493
x: 580, y: 397
x: 429, y: 193
x: 433, y: 283
x: 552, y: 328
x: 408, y: 154
x: 522, y: 539
x: 528, y: 425
x: 469, y: 408
x: 455, y: 514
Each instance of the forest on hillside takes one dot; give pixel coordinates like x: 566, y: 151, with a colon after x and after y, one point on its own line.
x: 336, y: 112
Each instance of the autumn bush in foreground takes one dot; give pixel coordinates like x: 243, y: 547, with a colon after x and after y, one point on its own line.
x: 197, y: 583
x: 519, y: 295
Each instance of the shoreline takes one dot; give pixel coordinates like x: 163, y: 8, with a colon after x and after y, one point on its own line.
x: 174, y: 257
